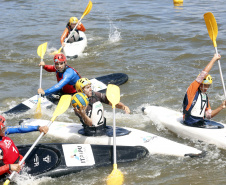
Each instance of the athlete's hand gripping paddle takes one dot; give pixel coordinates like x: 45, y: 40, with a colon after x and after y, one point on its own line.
x: 41, y: 52
x: 87, y: 10
x: 212, y: 28
x: 113, y: 95
x: 62, y: 106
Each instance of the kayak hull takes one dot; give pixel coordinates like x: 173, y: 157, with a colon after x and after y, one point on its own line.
x: 55, y: 159
x: 69, y: 132
x: 173, y: 121
x: 73, y: 50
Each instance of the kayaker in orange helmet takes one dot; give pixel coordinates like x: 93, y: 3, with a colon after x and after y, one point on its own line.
x: 196, y: 106
x: 69, y: 27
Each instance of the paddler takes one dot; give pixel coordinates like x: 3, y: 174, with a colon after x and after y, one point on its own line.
x: 92, y: 116
x: 69, y: 27
x: 9, y: 154
x: 196, y: 106
x: 66, y: 77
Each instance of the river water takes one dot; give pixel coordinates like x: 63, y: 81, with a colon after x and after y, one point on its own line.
x: 161, y: 47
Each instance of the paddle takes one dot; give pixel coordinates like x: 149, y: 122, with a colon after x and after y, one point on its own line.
x: 41, y: 52
x: 113, y: 95
x: 87, y: 10
x: 62, y: 106
x: 212, y: 28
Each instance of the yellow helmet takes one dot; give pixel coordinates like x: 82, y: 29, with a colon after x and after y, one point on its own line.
x: 73, y: 20
x: 82, y: 82
x: 207, y: 80
x: 79, y: 100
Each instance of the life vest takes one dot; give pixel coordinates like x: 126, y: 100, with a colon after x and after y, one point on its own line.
x: 10, y: 151
x: 75, y: 36
x: 198, y: 106
x: 96, y: 113
x: 67, y: 89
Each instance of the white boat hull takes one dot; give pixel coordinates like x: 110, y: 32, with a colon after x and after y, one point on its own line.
x: 73, y: 50
x: 173, y: 121
x: 68, y: 132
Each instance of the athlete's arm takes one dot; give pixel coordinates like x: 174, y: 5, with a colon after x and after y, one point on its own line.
x: 120, y: 105
x: 64, y: 35
x: 218, y: 109
x: 25, y: 129
x: 81, y: 27
x: 83, y: 115
x: 49, y: 68
x: 210, y: 64
x: 67, y: 76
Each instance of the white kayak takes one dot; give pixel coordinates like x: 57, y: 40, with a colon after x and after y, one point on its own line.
x: 73, y: 50
x: 213, y: 133
x: 70, y: 132
x: 98, y: 84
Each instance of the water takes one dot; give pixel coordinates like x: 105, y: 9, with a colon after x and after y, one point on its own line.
x: 161, y: 47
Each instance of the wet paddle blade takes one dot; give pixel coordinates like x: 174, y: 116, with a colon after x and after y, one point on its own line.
x: 211, y: 25
x: 57, y: 52
x: 38, y: 112
x: 116, y: 177
x: 88, y: 9
x: 62, y: 106
x: 113, y: 94
x: 42, y: 50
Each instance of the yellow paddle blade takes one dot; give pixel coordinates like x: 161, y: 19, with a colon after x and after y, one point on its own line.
x: 57, y: 52
x: 62, y: 106
x: 38, y: 112
x: 116, y: 177
x: 87, y: 10
x: 113, y: 94
x: 42, y: 49
x: 211, y: 25
x: 6, y: 182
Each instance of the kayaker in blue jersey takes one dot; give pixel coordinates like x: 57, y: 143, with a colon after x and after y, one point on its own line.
x: 9, y: 154
x: 92, y: 116
x: 196, y: 106
x: 66, y: 76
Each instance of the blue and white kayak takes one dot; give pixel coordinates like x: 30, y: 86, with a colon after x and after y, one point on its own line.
x: 73, y: 132
x: 73, y: 50
x: 98, y: 84
x: 212, y: 133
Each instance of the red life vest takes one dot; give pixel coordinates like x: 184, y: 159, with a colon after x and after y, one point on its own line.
x: 67, y: 89
x: 10, y: 151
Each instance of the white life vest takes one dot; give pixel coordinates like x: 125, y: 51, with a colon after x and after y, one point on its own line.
x: 97, y: 116
x: 200, y: 106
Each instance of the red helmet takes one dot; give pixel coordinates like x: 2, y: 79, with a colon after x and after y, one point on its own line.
x: 59, y: 58
x: 2, y: 122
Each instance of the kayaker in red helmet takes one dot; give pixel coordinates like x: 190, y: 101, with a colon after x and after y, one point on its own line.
x: 66, y: 76
x: 9, y: 154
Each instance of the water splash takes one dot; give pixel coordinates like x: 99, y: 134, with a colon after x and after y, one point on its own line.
x: 114, y: 34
